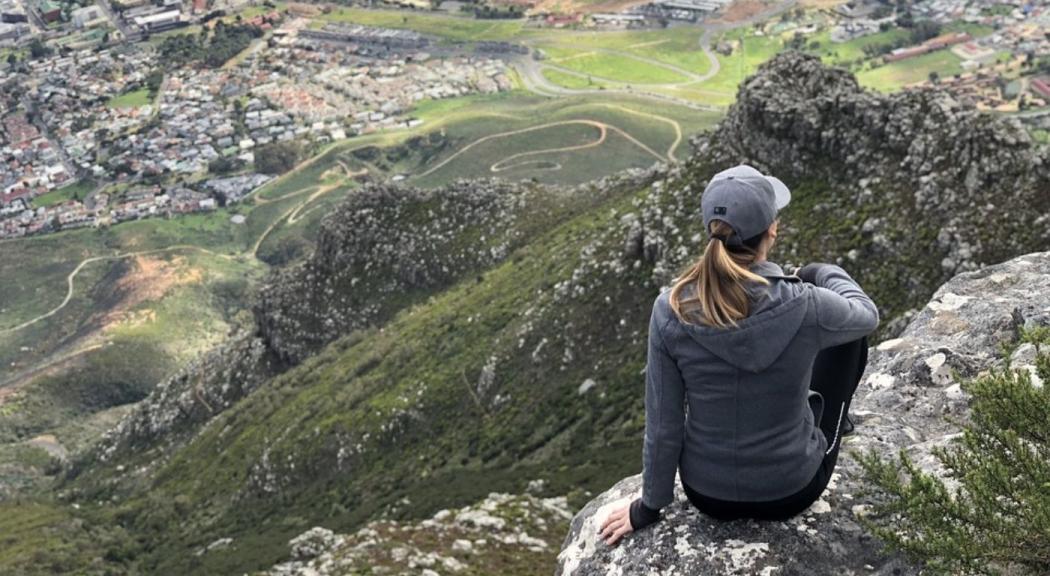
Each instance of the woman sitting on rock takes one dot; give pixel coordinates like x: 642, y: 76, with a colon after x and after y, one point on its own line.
x: 766, y: 363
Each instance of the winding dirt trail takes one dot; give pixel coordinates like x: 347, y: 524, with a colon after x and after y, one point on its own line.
x: 72, y: 276
x: 602, y: 127
x: 293, y: 212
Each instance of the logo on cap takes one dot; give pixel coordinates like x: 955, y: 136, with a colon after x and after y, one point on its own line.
x: 720, y: 210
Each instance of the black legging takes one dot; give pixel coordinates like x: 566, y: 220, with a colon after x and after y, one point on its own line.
x: 836, y: 374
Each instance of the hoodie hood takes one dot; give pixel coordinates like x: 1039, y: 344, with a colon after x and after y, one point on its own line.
x: 761, y: 338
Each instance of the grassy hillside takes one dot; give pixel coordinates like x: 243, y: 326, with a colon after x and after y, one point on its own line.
x: 444, y: 343
x: 148, y: 296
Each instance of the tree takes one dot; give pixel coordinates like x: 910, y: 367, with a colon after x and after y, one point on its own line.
x: 277, y: 157
x: 924, y: 30
x: 38, y: 49
x: 934, y: 77
x: 224, y: 165
x: 12, y: 59
x: 998, y: 520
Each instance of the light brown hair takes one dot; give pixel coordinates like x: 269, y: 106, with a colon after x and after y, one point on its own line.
x: 719, y: 276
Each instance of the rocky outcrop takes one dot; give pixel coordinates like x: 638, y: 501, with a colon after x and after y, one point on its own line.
x: 388, y: 245
x: 973, y: 183
x: 188, y: 399
x: 501, y: 534
x: 908, y: 390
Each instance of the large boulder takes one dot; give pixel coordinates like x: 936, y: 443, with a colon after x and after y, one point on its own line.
x: 908, y: 399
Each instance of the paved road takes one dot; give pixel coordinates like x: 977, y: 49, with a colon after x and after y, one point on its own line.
x: 126, y: 32
x: 532, y: 77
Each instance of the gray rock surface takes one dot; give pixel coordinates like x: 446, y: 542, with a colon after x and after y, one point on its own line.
x: 907, y: 399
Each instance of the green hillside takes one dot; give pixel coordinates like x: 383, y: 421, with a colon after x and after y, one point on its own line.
x: 441, y: 344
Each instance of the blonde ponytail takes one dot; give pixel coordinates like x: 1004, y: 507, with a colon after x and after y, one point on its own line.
x: 719, y: 276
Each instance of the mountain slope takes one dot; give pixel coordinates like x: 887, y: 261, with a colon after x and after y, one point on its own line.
x: 442, y: 345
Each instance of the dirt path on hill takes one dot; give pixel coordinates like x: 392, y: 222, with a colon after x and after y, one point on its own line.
x: 295, y: 212
x: 602, y: 127
x: 72, y: 276
x: 10, y: 384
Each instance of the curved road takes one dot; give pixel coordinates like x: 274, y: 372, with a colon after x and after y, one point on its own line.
x: 531, y: 71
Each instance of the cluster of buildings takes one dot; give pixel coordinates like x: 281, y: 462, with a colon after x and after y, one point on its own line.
x: 322, y: 84
x: 688, y: 10
x: 71, y: 95
x: 937, y: 43
x: 997, y: 67
x: 367, y: 35
x: 355, y: 83
x: 29, y: 164
x: 20, y: 218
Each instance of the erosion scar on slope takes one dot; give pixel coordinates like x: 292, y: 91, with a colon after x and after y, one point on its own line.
x: 72, y: 276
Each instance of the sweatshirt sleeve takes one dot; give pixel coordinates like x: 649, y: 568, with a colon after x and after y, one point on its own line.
x: 664, y: 420
x: 844, y: 312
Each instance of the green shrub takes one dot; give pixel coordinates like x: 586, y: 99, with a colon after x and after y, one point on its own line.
x: 998, y: 519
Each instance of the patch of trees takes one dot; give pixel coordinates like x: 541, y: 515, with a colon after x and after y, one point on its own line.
x: 484, y: 11
x: 919, y: 32
x: 278, y: 157
x: 224, y: 165
x: 38, y: 49
x: 153, y: 82
x: 212, y: 50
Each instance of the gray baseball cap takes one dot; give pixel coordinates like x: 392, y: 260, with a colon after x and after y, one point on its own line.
x: 745, y: 199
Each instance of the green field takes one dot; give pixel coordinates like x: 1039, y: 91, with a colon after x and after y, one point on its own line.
x: 462, y: 28
x: 679, y: 47
x: 131, y: 99
x: 654, y: 129
x: 76, y: 190
x: 611, y: 66
x: 896, y: 75
x: 570, y: 80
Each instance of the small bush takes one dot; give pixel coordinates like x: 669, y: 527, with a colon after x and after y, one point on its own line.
x: 998, y: 519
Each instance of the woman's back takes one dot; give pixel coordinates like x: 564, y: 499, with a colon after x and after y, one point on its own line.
x: 736, y: 340
x: 749, y: 435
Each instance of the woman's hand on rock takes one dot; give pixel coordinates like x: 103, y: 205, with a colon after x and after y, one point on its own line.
x: 617, y: 525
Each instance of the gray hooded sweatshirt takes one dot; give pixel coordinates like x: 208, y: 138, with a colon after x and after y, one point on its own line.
x: 749, y: 434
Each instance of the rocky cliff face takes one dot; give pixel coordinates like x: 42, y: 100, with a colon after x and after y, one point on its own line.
x: 389, y: 245
x: 904, y: 399
x: 911, y: 188
x: 503, y: 534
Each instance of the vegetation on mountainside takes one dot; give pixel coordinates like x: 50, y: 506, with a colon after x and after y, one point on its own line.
x: 990, y: 514
x: 379, y: 416
x: 101, y: 351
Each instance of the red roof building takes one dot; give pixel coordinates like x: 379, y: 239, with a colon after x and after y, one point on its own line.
x: 1041, y: 86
